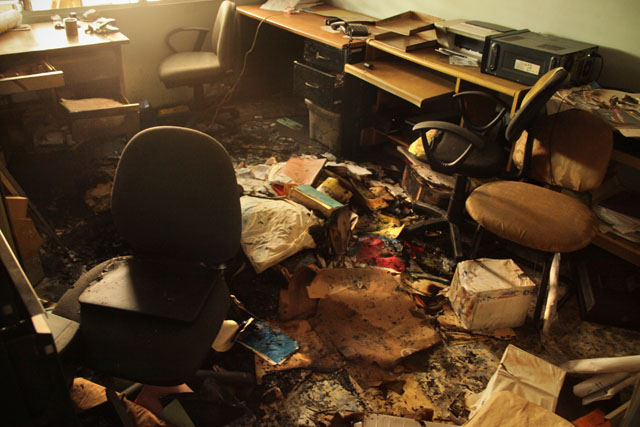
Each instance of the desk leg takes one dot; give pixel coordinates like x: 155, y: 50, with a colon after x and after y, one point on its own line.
x: 359, y: 97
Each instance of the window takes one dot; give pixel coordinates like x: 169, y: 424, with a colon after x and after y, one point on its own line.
x: 36, y: 5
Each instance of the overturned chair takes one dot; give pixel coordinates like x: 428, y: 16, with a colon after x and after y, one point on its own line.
x: 152, y: 317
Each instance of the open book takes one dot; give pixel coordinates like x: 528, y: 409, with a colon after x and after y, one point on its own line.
x: 281, y: 5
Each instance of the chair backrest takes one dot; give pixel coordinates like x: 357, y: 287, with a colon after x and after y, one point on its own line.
x: 570, y: 149
x: 175, y: 194
x: 222, y: 33
x: 534, y: 101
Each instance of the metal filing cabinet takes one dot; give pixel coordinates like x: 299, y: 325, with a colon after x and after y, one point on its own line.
x: 320, y: 77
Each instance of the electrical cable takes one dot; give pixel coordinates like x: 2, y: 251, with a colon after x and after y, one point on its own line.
x: 229, y: 93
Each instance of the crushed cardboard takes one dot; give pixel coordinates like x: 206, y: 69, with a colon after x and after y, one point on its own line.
x: 384, y: 325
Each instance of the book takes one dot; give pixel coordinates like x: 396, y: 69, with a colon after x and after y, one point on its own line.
x: 314, y: 199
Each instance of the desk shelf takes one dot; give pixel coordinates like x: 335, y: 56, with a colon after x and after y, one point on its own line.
x: 413, y: 84
x: 629, y: 251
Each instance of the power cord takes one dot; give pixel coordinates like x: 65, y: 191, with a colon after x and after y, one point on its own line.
x: 230, y: 92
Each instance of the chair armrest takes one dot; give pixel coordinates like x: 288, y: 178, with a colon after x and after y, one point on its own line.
x: 202, y: 33
x: 458, y: 97
x: 438, y: 165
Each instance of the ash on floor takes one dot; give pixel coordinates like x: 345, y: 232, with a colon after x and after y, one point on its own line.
x: 72, y: 190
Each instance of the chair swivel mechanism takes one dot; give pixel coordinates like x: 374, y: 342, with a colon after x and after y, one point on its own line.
x: 151, y: 317
x: 476, y: 151
x: 198, y: 67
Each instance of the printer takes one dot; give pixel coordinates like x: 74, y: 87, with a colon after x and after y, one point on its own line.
x: 459, y: 36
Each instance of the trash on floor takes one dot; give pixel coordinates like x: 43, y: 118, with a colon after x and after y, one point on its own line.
x: 273, y: 230
x: 526, y: 375
x: 384, y: 324
x: 267, y: 342
x: 490, y: 294
x: 508, y: 409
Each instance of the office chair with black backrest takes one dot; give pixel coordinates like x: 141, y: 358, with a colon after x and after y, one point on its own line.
x: 479, y: 150
x: 198, y: 67
x: 151, y: 317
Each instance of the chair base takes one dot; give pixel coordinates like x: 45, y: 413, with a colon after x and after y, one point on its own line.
x: 452, y: 217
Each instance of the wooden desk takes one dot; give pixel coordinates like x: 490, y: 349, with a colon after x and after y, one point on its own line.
x: 86, y: 66
x: 303, y: 24
x: 431, y: 60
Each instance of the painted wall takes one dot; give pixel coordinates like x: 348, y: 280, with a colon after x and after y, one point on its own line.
x: 612, y: 25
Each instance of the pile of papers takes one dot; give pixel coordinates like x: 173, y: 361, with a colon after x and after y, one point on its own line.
x: 282, y: 5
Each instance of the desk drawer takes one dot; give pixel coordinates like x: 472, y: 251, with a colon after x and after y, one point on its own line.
x: 29, y: 76
x: 324, y: 89
x: 329, y: 58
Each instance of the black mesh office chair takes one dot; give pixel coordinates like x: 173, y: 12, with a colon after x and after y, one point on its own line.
x: 477, y: 150
x: 152, y: 317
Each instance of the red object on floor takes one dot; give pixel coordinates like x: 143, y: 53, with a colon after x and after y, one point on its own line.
x: 380, y: 252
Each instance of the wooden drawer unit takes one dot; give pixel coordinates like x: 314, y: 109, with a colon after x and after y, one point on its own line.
x: 29, y: 76
x: 323, y: 89
x: 329, y: 58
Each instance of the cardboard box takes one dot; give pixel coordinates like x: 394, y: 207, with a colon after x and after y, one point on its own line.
x: 424, y: 185
x: 489, y: 294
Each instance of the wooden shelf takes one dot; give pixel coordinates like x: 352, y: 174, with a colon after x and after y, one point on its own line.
x: 403, y: 79
x: 625, y: 159
x: 618, y: 246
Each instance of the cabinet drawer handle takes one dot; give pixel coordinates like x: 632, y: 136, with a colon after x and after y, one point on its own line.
x: 312, y: 85
x: 324, y: 58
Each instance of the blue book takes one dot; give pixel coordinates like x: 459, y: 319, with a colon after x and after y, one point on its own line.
x: 273, y: 346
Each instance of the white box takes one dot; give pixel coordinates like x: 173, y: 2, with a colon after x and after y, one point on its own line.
x: 489, y: 294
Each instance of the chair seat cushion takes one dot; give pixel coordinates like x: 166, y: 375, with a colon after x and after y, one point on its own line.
x: 150, y: 340
x: 532, y: 216
x: 185, y: 68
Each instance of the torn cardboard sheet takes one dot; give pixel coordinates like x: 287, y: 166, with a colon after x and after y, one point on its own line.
x: 383, y: 323
x: 312, y: 353
x: 273, y: 230
x: 507, y: 409
x: 524, y: 374
x: 294, y: 301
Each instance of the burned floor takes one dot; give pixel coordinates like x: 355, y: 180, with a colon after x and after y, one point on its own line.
x: 327, y: 381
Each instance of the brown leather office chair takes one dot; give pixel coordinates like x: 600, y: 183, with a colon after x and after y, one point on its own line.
x: 198, y: 67
x: 569, y: 151
x: 152, y: 317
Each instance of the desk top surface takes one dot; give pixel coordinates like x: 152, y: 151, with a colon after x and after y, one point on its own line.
x: 43, y: 37
x: 429, y: 58
x: 304, y: 24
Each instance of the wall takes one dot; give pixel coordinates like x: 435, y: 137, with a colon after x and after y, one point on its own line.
x: 146, y: 27
x: 612, y: 25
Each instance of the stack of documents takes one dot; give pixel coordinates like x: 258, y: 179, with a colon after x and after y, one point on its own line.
x: 282, y: 5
